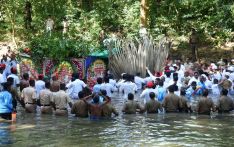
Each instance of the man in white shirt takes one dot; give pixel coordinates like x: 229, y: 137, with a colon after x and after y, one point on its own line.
x: 128, y: 87
x: 75, y: 87
x: 194, y: 78
x: 39, y: 85
x: 108, y: 87
x: 15, y: 77
x: 139, y: 81
x: 145, y: 93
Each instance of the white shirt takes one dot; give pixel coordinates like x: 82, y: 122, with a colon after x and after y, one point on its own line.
x: 39, y: 85
x: 128, y: 87
x: 215, y: 89
x: 112, y: 82
x: 193, y: 79
x: 2, y: 79
x: 16, y: 79
x: 75, y: 87
x: 139, y: 81
x: 109, y: 89
x: 145, y: 94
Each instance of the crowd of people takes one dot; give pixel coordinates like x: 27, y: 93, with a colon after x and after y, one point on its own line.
x: 183, y: 87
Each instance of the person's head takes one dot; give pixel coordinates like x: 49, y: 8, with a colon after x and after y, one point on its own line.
x: 75, y: 76
x: 47, y: 85
x: 32, y: 82
x: 168, y: 74
x: 182, y: 92
x: 215, y: 81
x: 2, y: 67
x: 49, y: 16
x: 25, y: 76
x: 160, y: 83
x: 150, y: 84
x: 106, y: 80
x: 96, y: 99
x: 175, y: 79
x: 62, y: 86
x: 40, y: 77
x: 99, y: 80
x: 202, y: 78
x: 6, y: 86
x: 13, y: 70
x: 54, y: 78
x: 171, y: 89
x: 104, y: 92
x: 130, y: 96
x: 152, y: 95
x: 224, y: 92
x: 163, y: 78
x: 196, y: 75
x: 186, y: 74
x: 194, y: 85
x: 10, y: 80
x: 205, y: 92
x: 81, y: 94
x: 138, y: 74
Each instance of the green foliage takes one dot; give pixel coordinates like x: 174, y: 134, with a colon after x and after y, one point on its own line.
x: 213, y: 20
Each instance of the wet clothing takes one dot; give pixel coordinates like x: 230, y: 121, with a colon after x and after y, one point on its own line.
x: 128, y: 87
x: 55, y: 86
x: 131, y: 106
x: 108, y: 109
x: 152, y: 106
x: 145, y: 94
x: 16, y: 79
x: 29, y: 97
x: 171, y: 103
x: 109, y: 89
x: 60, y: 99
x: 5, y: 102
x: 75, y: 87
x: 24, y: 84
x: 205, y: 105
x: 45, y: 101
x: 80, y: 109
x: 183, y: 104
x: 225, y: 104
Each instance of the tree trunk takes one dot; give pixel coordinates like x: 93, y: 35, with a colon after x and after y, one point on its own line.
x: 144, y: 12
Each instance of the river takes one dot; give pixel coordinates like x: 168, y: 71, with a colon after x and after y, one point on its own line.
x: 125, y: 130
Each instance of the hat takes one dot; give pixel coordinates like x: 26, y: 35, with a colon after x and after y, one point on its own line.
x: 150, y: 84
x: 2, y: 66
x: 40, y: 76
x: 13, y: 70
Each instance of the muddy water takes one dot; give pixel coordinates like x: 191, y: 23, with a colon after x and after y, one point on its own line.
x: 124, y: 130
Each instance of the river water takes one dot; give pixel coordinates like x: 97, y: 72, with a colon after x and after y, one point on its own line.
x: 125, y: 130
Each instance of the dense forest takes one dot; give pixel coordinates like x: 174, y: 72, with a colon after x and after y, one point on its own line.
x: 92, y: 21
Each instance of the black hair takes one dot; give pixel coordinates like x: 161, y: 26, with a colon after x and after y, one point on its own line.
x: 62, y: 86
x: 81, y: 94
x: 183, y: 92
x: 26, y: 76
x: 10, y: 80
x: 106, y: 80
x: 96, y: 99
x: 152, y: 95
x: 171, y: 88
x: 160, y: 83
x: 32, y: 83
x: 224, y: 92
x: 216, y: 81
x: 47, y: 85
x: 130, y: 96
x: 104, y: 92
x: 99, y: 80
x: 205, y: 92
x: 168, y: 74
x: 6, y: 86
